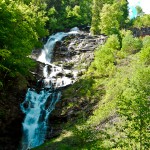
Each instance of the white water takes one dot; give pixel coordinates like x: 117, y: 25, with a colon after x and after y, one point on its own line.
x: 40, y: 103
x: 47, y: 52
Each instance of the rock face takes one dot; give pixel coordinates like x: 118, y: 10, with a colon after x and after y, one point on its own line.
x: 140, y: 32
x: 74, y: 52
x: 11, y: 118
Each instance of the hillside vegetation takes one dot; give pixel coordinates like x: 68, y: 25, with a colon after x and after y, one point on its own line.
x: 118, y: 80
x: 116, y: 86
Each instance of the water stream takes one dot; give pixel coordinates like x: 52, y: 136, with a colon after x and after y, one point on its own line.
x: 38, y: 104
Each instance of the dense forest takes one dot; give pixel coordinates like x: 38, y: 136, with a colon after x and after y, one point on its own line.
x: 117, y: 83
x: 25, y: 23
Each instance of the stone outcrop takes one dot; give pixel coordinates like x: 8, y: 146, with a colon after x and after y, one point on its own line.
x: 71, y: 56
x: 74, y: 52
x: 140, y: 31
x: 11, y: 117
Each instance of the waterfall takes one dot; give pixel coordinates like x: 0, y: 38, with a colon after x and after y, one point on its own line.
x: 38, y: 104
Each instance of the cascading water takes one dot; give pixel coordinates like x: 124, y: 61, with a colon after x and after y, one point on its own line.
x: 39, y: 103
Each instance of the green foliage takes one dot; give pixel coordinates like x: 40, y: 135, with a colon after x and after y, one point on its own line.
x: 105, y: 57
x: 128, y: 91
x: 133, y: 104
x: 145, y: 52
x: 142, y: 21
x: 108, y: 22
x: 139, y: 11
x: 21, y: 28
x: 5, y: 54
x: 130, y: 44
x: 85, y: 135
x: 73, y: 13
x: 112, y: 20
x: 96, y: 10
x: 146, y: 41
x: 113, y: 42
x: 52, y: 19
x: 97, y: 5
x: 124, y: 9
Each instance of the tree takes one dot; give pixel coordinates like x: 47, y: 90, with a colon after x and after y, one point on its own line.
x: 96, y: 11
x: 139, y: 11
x: 145, y: 51
x: 114, y: 19
x: 130, y: 44
x: 134, y: 106
x: 73, y: 13
x: 95, y: 16
x: 21, y: 28
x: 105, y: 57
x: 142, y: 21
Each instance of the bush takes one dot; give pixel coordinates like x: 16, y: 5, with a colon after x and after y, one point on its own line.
x: 130, y: 44
x: 145, y: 52
x: 134, y: 105
x: 146, y: 41
x: 145, y: 55
x: 105, y: 57
x: 142, y: 21
x: 113, y: 42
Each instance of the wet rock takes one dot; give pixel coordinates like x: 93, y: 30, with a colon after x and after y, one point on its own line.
x: 140, y: 31
x: 26, y: 105
x: 69, y: 75
x: 60, y: 74
x: 35, y: 53
x: 68, y: 65
x: 63, y: 48
x: 39, y: 70
x: 49, y: 69
x: 58, y: 44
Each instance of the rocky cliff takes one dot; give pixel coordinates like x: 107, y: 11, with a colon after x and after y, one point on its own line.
x: 74, y: 52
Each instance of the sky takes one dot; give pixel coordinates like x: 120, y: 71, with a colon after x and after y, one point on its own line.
x: 144, y: 4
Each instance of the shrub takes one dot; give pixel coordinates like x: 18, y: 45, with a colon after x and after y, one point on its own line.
x: 130, y: 44
x: 145, y: 55
x: 146, y: 41
x: 105, y: 57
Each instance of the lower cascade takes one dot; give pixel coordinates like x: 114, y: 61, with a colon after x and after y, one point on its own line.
x: 37, y: 107
x: 40, y: 102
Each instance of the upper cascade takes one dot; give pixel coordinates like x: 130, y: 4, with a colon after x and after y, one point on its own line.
x: 65, y: 56
x: 47, y: 51
x: 50, y: 71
